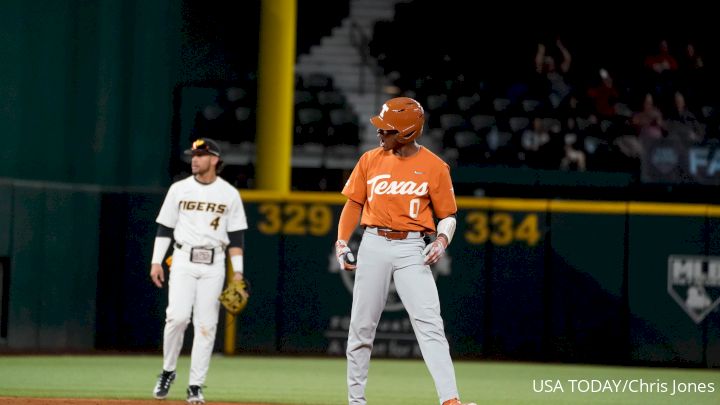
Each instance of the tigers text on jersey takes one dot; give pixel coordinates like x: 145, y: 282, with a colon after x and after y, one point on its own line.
x: 401, y: 193
x: 202, y: 214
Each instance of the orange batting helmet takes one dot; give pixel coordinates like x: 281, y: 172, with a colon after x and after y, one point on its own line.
x: 401, y: 114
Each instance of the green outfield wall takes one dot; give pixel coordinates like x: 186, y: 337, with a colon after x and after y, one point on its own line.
x: 547, y: 280
x: 87, y: 88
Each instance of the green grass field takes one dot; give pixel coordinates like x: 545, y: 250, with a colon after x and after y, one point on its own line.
x: 322, y: 381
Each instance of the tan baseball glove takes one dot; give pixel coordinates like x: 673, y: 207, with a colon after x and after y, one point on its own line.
x: 235, y: 296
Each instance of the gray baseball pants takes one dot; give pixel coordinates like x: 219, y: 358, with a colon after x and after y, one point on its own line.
x: 379, y: 260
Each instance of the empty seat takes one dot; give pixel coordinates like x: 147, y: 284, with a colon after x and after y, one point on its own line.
x: 330, y: 98
x: 518, y: 124
x: 463, y: 139
x: 467, y: 103
x: 450, y: 156
x: 318, y: 81
x: 530, y: 105
x: 303, y: 98
x: 481, y: 122
x: 308, y: 155
x: 605, y: 125
x: 436, y: 134
x: 341, y: 116
x: 242, y: 113
x: 450, y: 121
x: 432, y: 143
x: 552, y: 124
x: 309, y: 116
x: 501, y: 104
x: 235, y: 94
x: 582, y: 123
x: 341, y: 157
x: 238, y: 154
x: 436, y: 101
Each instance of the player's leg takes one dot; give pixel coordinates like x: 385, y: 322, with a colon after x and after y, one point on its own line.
x: 181, y: 295
x: 372, y: 281
x: 416, y: 287
x: 205, y: 319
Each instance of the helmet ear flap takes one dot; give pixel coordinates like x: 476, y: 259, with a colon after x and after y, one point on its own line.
x: 410, y: 136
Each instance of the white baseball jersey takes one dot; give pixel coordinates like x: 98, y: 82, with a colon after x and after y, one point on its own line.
x: 202, y: 214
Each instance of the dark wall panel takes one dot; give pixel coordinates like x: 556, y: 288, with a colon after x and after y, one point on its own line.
x: 659, y: 328
x: 588, y: 316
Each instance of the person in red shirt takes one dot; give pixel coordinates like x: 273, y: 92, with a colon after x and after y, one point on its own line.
x: 605, y: 96
x: 662, y: 60
x: 395, y: 191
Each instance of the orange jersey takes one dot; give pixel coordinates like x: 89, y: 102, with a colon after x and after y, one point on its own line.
x: 401, y: 193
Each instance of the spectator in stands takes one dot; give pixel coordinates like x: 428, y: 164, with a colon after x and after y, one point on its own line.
x: 649, y: 120
x: 691, y: 60
x: 662, y: 61
x: 604, y: 96
x: 555, y: 86
x: 574, y: 158
x: 662, y: 67
x: 531, y: 142
x: 693, y: 80
x: 683, y: 123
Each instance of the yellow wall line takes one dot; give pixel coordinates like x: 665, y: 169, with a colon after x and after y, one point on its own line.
x: 515, y: 204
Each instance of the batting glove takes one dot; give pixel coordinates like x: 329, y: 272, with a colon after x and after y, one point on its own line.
x: 345, y: 256
x: 434, y: 251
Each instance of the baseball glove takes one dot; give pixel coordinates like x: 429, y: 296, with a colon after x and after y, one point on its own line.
x: 235, y: 296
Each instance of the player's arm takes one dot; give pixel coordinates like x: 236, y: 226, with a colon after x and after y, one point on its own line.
x: 163, y: 238
x: 349, y: 219
x: 236, y: 251
x: 445, y: 232
x: 445, y: 209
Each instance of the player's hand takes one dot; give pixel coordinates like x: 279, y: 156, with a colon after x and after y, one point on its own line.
x: 237, y: 276
x: 434, y: 251
x: 345, y: 256
x: 157, y: 275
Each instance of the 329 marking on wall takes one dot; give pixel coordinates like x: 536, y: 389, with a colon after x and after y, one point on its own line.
x: 295, y: 219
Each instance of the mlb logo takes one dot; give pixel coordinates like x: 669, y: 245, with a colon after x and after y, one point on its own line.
x: 694, y: 283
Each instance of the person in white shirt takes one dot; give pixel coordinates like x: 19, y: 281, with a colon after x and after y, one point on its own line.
x: 205, y: 216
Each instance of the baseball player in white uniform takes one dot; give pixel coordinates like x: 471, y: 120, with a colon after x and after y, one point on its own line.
x: 204, y: 215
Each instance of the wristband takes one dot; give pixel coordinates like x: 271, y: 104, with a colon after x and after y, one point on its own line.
x: 446, y: 226
x: 237, y: 263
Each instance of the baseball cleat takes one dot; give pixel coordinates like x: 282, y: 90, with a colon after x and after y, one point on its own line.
x: 195, y: 395
x: 162, y: 387
x: 456, y: 401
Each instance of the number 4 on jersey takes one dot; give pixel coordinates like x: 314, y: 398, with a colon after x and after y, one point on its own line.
x: 215, y: 223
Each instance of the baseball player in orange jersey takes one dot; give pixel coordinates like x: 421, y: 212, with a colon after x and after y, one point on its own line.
x: 393, y: 192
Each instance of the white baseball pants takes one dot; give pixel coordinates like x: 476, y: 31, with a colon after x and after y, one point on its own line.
x: 194, y: 289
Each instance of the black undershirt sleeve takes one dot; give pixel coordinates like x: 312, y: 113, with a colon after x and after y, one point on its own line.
x: 164, y: 232
x: 237, y: 239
